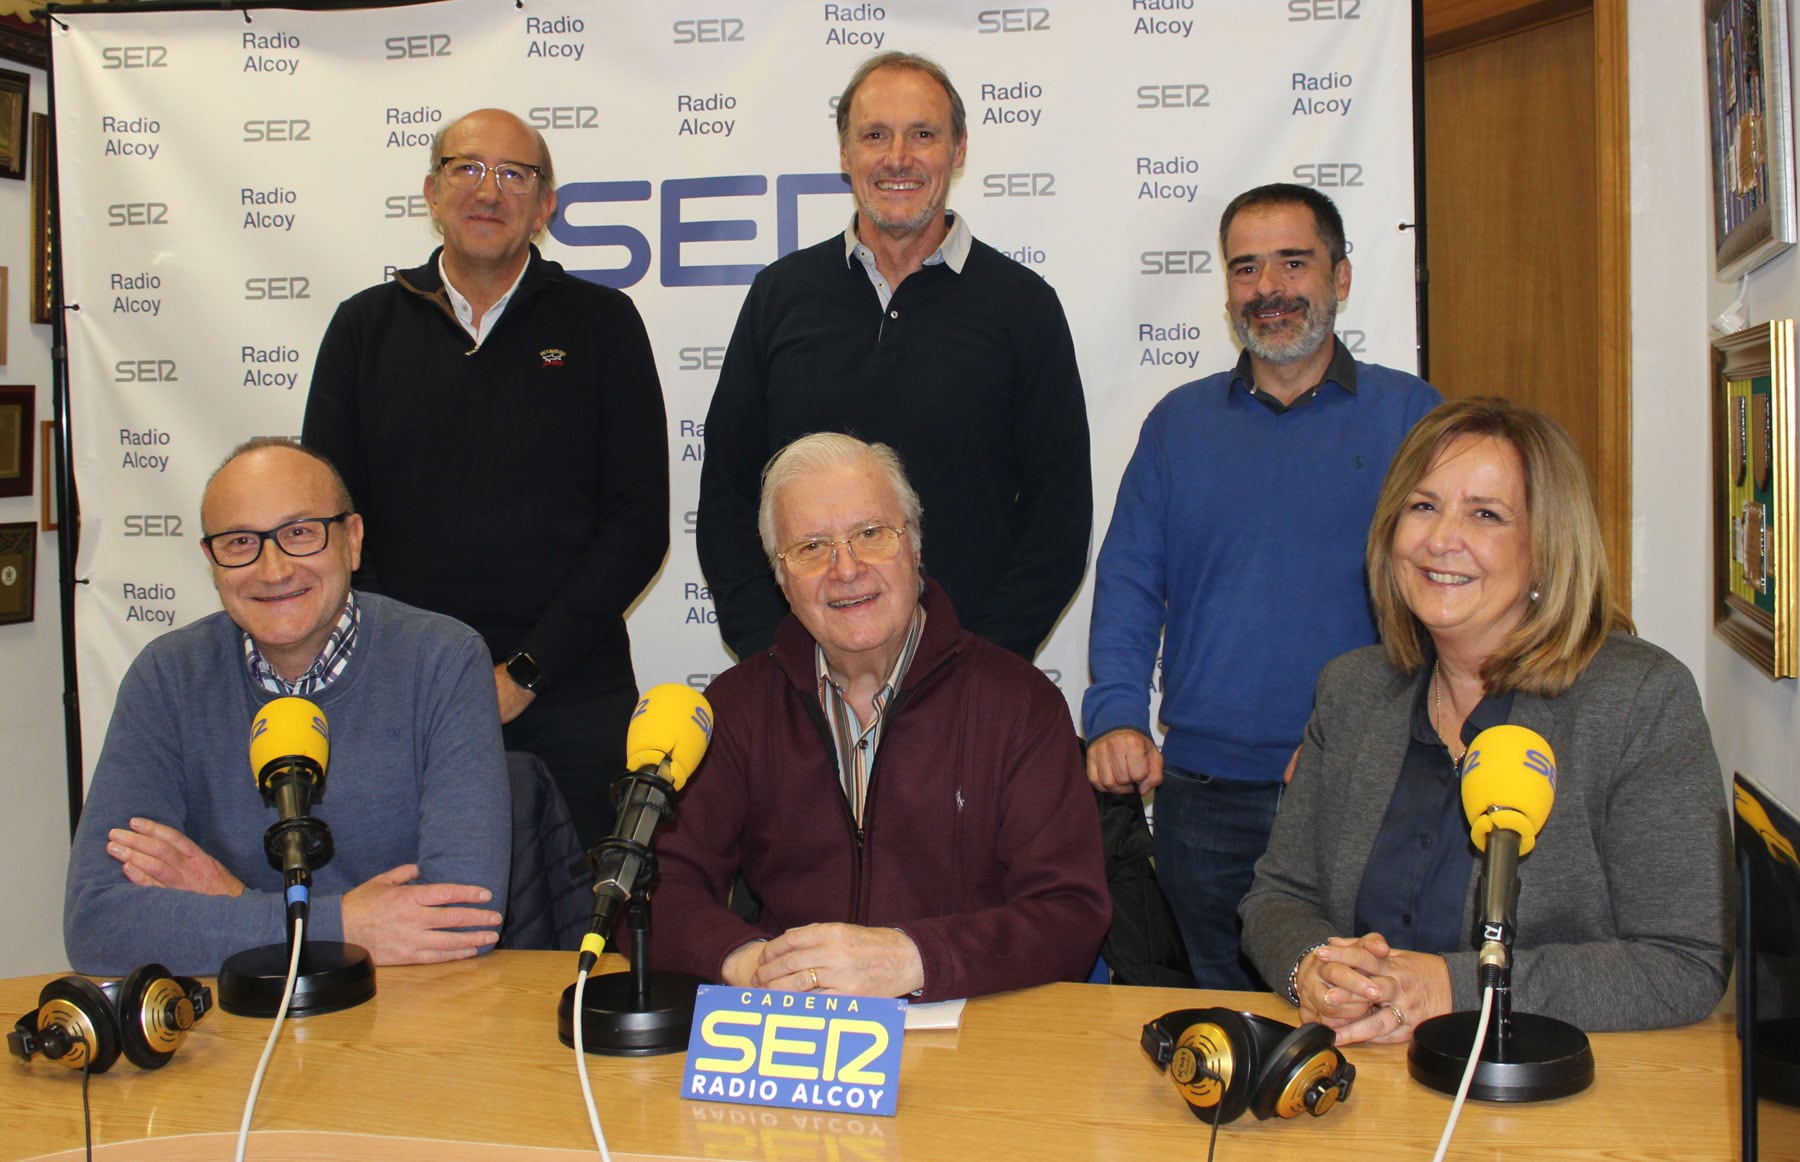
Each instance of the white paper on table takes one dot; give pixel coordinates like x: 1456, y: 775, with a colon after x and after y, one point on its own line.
x: 936, y: 1015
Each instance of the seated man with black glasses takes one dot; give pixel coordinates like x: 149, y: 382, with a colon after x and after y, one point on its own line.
x: 168, y: 864
x: 906, y: 800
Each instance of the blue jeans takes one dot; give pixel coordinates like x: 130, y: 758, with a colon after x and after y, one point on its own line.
x: 1209, y: 833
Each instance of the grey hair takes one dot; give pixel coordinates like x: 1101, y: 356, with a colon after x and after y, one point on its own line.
x: 823, y: 450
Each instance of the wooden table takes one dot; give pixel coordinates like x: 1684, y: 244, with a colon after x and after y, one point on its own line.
x: 462, y: 1061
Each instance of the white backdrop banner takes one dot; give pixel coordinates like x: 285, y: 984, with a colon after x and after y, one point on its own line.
x: 227, y: 179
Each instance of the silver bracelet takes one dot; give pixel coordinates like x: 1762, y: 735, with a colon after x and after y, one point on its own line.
x: 1293, y: 992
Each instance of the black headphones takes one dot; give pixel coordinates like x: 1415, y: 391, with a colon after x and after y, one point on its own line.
x: 1224, y: 1062
x: 83, y: 1025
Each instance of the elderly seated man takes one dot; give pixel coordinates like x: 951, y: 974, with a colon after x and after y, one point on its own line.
x: 168, y: 862
x: 906, y: 800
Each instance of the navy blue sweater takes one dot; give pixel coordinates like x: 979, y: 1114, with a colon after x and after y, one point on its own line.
x: 970, y: 376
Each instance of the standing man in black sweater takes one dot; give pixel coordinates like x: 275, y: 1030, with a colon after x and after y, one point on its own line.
x: 906, y: 330
x: 500, y: 425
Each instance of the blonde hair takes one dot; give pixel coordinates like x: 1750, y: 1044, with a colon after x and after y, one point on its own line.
x: 1573, y: 608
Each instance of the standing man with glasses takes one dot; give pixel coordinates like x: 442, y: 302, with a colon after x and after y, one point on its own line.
x: 904, y: 799
x: 168, y: 864
x: 500, y: 424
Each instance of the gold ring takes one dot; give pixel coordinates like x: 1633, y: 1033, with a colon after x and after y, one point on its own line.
x: 814, y: 973
x: 1399, y: 1017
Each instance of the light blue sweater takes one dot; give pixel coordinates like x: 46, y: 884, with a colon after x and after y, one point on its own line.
x: 417, y: 775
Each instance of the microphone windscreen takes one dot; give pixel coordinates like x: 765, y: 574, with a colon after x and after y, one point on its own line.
x: 673, y: 722
x: 1508, y: 780
x: 288, y: 728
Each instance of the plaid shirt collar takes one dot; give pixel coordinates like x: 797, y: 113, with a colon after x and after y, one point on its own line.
x: 325, y: 668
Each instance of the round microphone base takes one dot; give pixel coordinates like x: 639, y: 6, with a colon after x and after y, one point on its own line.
x: 615, y: 1024
x: 1544, y: 1058
x: 332, y: 976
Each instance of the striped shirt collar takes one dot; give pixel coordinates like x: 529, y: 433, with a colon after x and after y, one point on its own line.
x: 325, y: 668
x: 856, y: 743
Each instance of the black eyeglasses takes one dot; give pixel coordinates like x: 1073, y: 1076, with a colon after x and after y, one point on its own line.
x: 513, y: 177
x: 306, y: 537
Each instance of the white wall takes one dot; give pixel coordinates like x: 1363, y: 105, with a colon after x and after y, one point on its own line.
x: 1755, y: 721
x: 34, y: 842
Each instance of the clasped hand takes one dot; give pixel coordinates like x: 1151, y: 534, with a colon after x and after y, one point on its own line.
x: 832, y: 958
x: 1367, y: 990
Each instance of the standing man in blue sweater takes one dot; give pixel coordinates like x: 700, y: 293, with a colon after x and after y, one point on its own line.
x: 1237, y: 542
x: 168, y: 864
x: 907, y: 330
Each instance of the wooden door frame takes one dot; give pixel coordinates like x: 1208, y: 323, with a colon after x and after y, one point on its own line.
x: 1455, y: 24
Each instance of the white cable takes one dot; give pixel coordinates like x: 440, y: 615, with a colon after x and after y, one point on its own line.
x: 1462, y: 1090
x: 287, y: 995
x: 587, y: 1091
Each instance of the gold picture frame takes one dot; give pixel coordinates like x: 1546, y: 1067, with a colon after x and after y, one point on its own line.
x: 41, y: 219
x: 1756, y: 578
x: 18, y: 571
x: 47, y: 515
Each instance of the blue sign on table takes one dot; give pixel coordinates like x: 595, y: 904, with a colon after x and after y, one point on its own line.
x: 796, y: 1050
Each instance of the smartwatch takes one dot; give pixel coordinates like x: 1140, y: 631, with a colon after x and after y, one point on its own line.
x: 522, y: 669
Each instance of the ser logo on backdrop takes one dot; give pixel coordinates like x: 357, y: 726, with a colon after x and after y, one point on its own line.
x: 417, y: 46
x: 277, y: 288
x: 716, y: 30
x: 145, y: 371
x: 1329, y: 174
x: 1174, y: 95
x: 1300, y: 10
x: 994, y: 20
x: 278, y: 129
x: 137, y: 214
x: 1018, y: 185
x: 563, y: 117
x: 136, y: 56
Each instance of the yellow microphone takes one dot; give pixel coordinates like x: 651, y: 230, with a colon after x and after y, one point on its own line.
x: 290, y: 746
x: 1509, y: 782
x: 1508, y: 787
x: 665, y: 740
x: 673, y: 724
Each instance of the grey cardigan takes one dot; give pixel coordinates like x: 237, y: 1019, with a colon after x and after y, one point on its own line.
x: 1624, y: 904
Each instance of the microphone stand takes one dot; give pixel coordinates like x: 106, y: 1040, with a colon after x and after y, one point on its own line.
x: 635, y: 1013
x: 1525, y: 1057
x: 333, y: 975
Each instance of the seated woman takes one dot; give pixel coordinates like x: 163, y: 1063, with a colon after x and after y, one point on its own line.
x: 1491, y: 594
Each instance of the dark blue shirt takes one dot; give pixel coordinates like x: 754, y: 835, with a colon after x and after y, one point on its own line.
x: 1417, y: 877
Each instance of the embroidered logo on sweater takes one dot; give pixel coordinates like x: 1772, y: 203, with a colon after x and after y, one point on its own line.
x: 552, y: 356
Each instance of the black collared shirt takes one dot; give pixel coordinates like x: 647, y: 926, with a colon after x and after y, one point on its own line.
x: 1341, y: 371
x: 1417, y: 878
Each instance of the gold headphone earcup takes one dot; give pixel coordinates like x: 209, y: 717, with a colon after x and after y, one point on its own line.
x: 155, y: 1015
x: 77, y: 1007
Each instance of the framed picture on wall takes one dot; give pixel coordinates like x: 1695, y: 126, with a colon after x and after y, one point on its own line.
x: 25, y: 38
x: 15, y: 123
x: 18, y: 570
x: 1749, y: 100
x: 46, y: 475
x: 18, y: 438
x: 41, y: 211
x: 1755, y: 579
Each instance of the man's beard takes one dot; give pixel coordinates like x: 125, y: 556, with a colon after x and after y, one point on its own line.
x: 899, y: 226
x: 1293, y: 343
